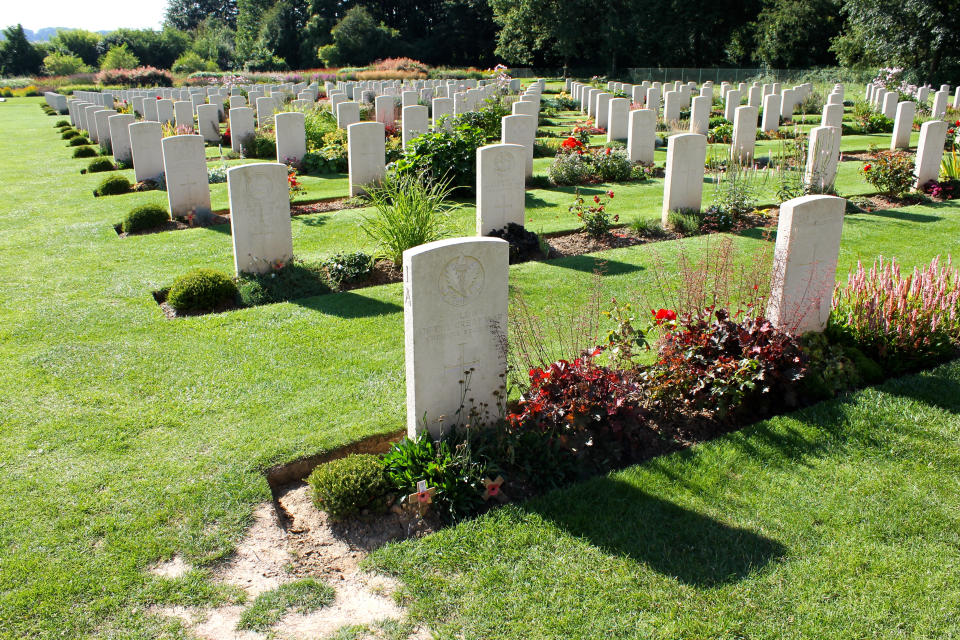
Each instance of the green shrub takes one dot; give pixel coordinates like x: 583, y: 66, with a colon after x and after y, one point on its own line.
x: 891, y: 172
x: 488, y: 119
x: 611, y: 166
x: 296, y: 279
x: 347, y: 267
x: 201, y: 290
x: 264, y: 146
x: 84, y: 152
x: 62, y: 123
x: 69, y: 134
x: 147, y: 216
x: 685, y: 221
x: 112, y: 186
x: 648, y: 228
x: 79, y: 141
x: 190, y: 62
x: 100, y: 164
x: 346, y: 486
x: 570, y: 169
x: 317, y: 124
x: 410, y: 210
x: 445, y: 155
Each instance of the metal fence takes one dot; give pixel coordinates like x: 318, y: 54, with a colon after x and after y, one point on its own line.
x: 669, y: 74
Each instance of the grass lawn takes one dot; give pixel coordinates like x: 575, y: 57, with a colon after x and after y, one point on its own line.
x: 129, y: 438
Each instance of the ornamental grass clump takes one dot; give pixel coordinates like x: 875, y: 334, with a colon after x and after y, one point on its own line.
x: 901, y: 320
x: 411, y: 210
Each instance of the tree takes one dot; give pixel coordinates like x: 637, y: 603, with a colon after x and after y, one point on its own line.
x: 791, y: 33
x: 215, y: 41
x: 153, y: 48
x: 79, y: 43
x: 539, y: 31
x: 63, y: 64
x: 119, y: 57
x: 922, y: 36
x: 280, y: 30
x: 17, y: 56
x: 188, y: 15
x: 358, y: 39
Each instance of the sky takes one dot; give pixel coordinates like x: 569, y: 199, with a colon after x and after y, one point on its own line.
x: 94, y: 15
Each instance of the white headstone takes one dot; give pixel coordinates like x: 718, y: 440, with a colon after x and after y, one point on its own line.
x: 903, y: 125
x: 259, y: 217
x: 165, y: 112
x: 384, y: 107
x: 119, y: 125
x: 642, y: 135
x: 185, y: 167
x: 823, y: 154
x: 455, y: 313
x: 183, y: 113
x: 415, y: 122
x: 744, y: 134
x: 771, y: 113
x: 500, y: 185
x: 683, y: 182
x: 242, y: 129
x: 832, y: 115
x: 939, y: 109
x: 208, y: 121
x: 700, y: 115
x: 146, y: 150
x: 933, y: 134
x: 291, y: 137
x: 805, y: 263
x: 366, y: 155
x: 103, y: 128
x: 348, y: 113
x: 730, y: 105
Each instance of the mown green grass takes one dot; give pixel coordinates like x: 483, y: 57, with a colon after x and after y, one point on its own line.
x: 129, y: 438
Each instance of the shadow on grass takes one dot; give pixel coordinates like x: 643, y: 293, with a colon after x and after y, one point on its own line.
x: 896, y: 214
x: 312, y: 219
x: 590, y: 264
x: 935, y: 387
x: 348, y: 305
x: 618, y: 517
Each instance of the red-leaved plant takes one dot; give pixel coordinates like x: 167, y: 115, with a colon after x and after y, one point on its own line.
x: 900, y: 320
x: 711, y: 361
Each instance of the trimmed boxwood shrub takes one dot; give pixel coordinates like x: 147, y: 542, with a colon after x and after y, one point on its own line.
x: 69, y: 134
x: 84, y: 152
x: 79, y: 141
x: 201, y: 290
x: 62, y: 123
x: 113, y: 185
x: 346, y: 486
x: 148, y: 216
x: 100, y: 164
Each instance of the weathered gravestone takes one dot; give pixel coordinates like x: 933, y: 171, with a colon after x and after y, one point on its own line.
x: 455, y: 315
x: 291, y: 137
x: 443, y: 111
x: 146, y: 150
x: 683, y: 182
x: 805, y: 263
x: 165, y: 111
x: 771, y: 113
x: 259, y: 217
x: 832, y: 116
x: 185, y: 168
x: 618, y: 119
x: 500, y: 185
x: 700, y: 115
x: 366, y: 155
x: 208, y: 122
x: 103, y: 128
x: 642, y: 135
x: 183, y: 114
x: 384, y: 107
x: 347, y: 113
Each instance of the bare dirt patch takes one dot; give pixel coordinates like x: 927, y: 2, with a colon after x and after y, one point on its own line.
x: 291, y: 539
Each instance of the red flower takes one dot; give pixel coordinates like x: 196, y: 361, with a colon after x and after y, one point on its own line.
x: 610, y: 194
x: 608, y: 150
x: 596, y: 199
x: 571, y: 143
x: 867, y: 167
x: 664, y: 315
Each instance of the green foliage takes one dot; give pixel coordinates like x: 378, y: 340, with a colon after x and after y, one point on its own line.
x: 488, y: 118
x: 602, y: 165
x: 594, y: 219
x: 83, y: 152
x: 297, y: 279
x: 791, y: 33
x: 303, y: 596
x: 64, y: 64
x: 202, y: 290
x: 891, y: 172
x: 101, y: 164
x: 648, y: 228
x: 118, y: 57
x: 411, y: 210
x: 147, y: 216
x: 112, y: 186
x: 318, y: 124
x: 17, y: 55
x: 450, y: 156
x: 190, y: 62
x: 69, y: 134
x: 447, y: 465
x: 830, y: 370
x: 77, y: 42
x: 346, y: 486
x: 685, y: 221
x: 152, y: 48
x: 357, y: 40
x: 869, y: 120
x: 78, y: 141
x: 347, y: 267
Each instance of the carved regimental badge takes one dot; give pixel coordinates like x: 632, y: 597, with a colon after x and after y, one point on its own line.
x: 461, y: 280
